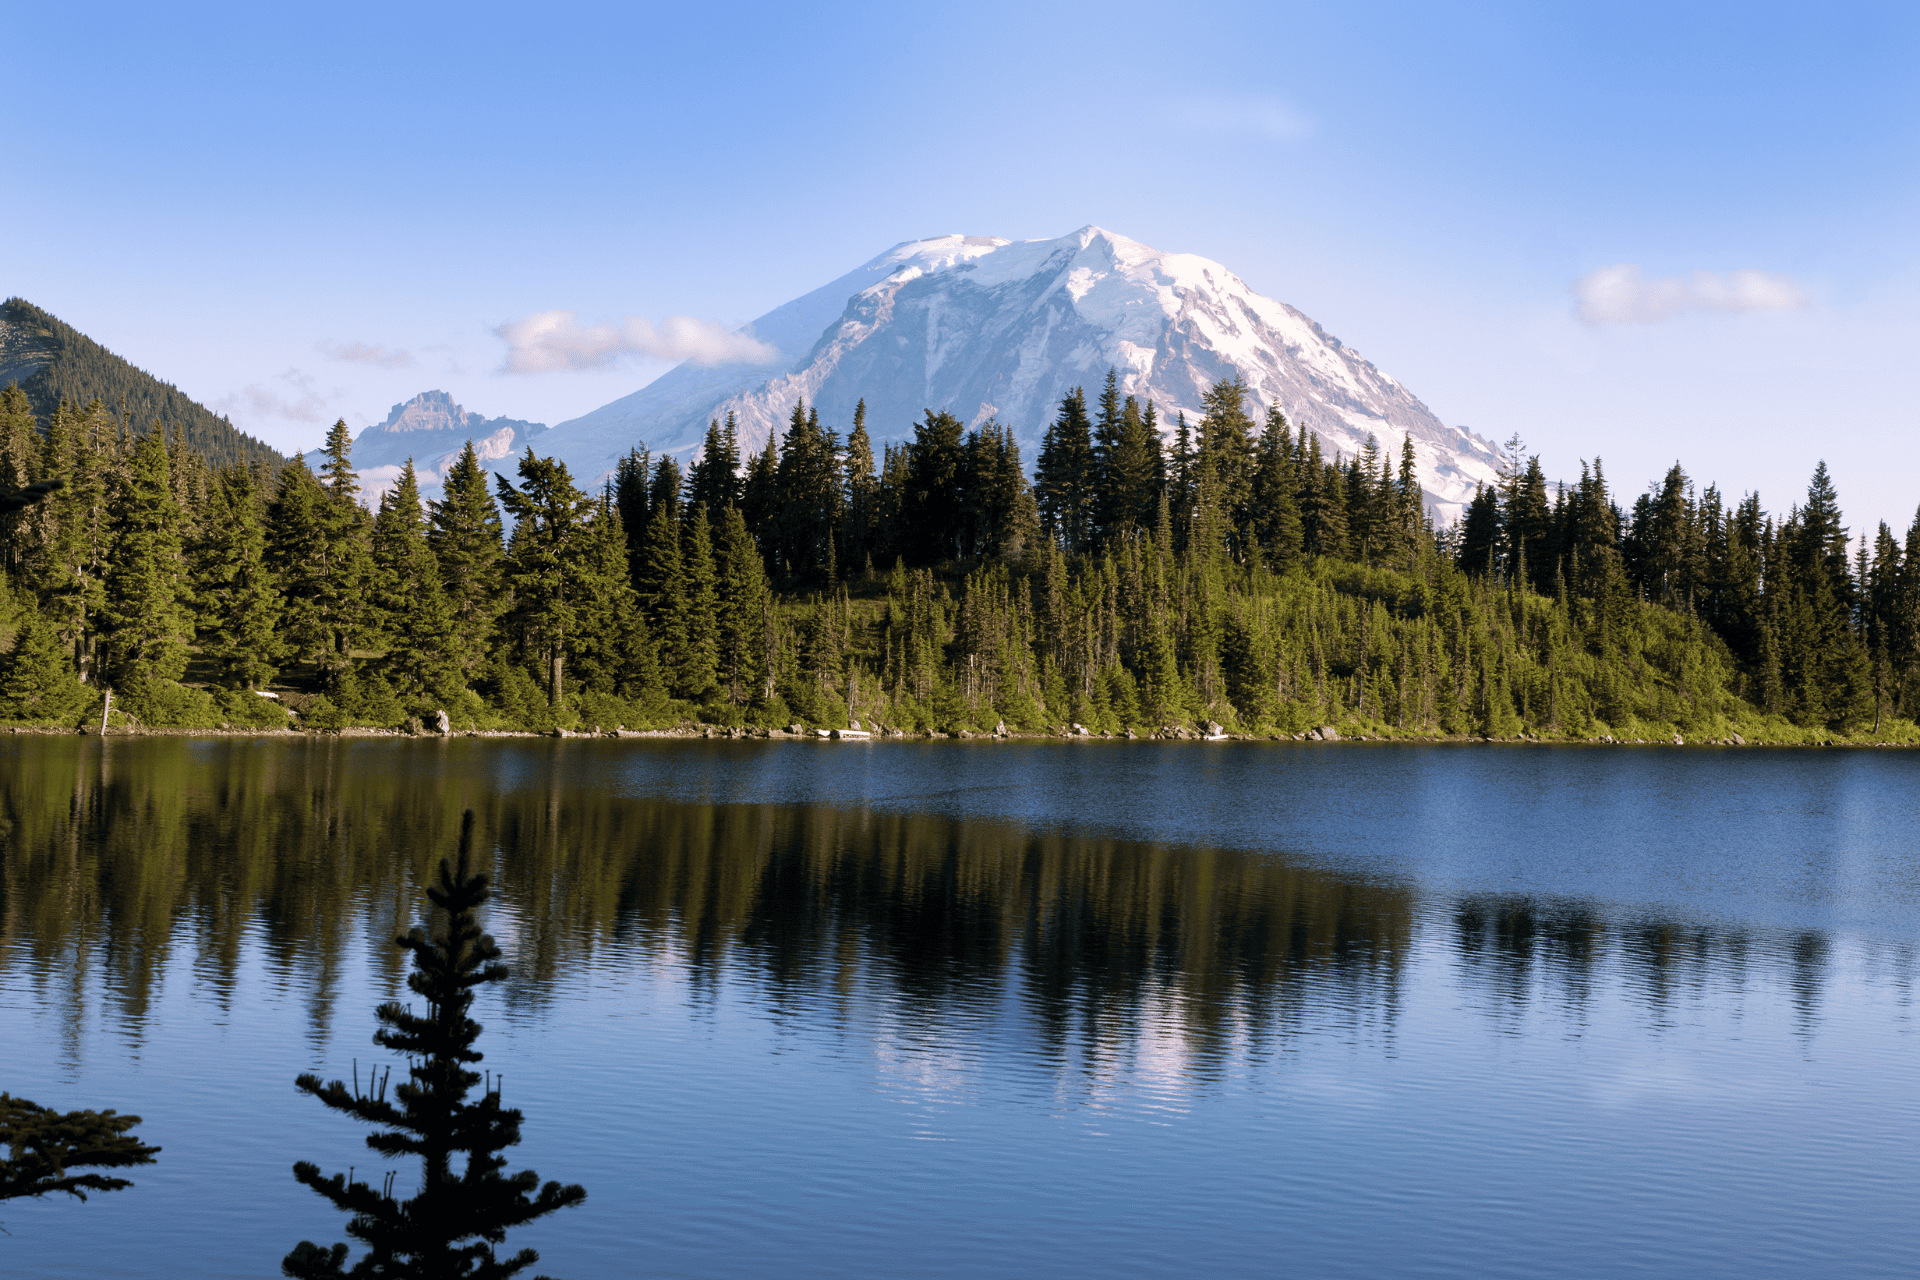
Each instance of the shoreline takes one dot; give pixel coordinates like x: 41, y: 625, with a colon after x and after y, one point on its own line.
x: 691, y: 731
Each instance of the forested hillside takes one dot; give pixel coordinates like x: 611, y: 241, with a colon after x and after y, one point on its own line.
x: 55, y: 363
x: 1238, y: 576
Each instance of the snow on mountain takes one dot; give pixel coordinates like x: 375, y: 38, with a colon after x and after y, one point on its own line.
x: 990, y: 328
x: 432, y: 430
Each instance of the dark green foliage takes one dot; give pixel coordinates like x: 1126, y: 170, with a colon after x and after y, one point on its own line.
x: 1241, y: 576
x: 78, y: 370
x: 237, y: 593
x: 464, y: 534
x: 43, y: 1147
x: 550, y: 535
x: 423, y: 662
x: 465, y: 1204
x: 1066, y: 481
x: 37, y: 681
x: 146, y: 627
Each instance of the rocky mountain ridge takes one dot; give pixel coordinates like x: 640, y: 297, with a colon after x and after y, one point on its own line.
x: 985, y: 327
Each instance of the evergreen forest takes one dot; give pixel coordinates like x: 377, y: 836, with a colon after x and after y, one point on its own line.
x: 57, y: 362
x: 1136, y: 582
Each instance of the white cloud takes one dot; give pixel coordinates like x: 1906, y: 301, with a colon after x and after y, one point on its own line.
x: 295, y: 400
x: 366, y: 353
x: 551, y: 340
x: 1261, y: 116
x: 1621, y: 295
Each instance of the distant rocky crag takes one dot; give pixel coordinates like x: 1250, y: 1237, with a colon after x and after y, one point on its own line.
x: 432, y: 430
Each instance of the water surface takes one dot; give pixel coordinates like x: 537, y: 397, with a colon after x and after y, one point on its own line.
x: 970, y: 1009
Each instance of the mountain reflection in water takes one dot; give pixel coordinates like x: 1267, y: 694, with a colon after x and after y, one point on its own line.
x: 1252, y: 1050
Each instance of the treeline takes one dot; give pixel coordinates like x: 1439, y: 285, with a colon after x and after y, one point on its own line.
x: 76, y: 370
x: 1235, y: 574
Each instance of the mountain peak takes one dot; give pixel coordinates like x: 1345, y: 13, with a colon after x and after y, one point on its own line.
x: 990, y: 328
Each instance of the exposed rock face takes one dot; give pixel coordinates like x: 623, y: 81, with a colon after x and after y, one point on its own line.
x: 1326, y: 733
x: 433, y: 431
x: 990, y: 328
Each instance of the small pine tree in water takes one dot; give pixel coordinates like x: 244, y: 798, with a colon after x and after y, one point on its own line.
x: 450, y: 1227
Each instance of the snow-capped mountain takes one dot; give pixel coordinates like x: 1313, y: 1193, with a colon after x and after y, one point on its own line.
x: 432, y: 430
x: 991, y: 328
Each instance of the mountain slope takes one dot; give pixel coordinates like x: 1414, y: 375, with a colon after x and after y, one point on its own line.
x: 433, y: 431
x: 53, y: 361
x: 985, y: 327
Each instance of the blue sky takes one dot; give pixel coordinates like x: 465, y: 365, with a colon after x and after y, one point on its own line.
x: 301, y: 213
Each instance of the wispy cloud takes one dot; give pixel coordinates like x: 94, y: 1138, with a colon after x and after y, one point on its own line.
x: 552, y: 340
x: 366, y: 353
x: 291, y: 397
x: 1259, y: 115
x: 1622, y: 295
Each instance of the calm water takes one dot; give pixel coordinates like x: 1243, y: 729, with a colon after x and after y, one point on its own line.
x: 973, y: 1010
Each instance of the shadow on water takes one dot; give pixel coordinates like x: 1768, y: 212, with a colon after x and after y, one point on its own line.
x: 115, y: 857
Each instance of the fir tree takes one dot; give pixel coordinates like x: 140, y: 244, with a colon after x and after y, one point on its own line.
x: 464, y: 535
x: 43, y: 1148
x: 740, y: 608
x: 423, y: 661
x: 662, y: 590
x: 37, y: 680
x: 465, y: 1204
x: 238, y: 593
x: 1066, y: 478
x: 147, y: 626
x: 613, y: 651
x: 694, y: 672
x: 299, y: 553
x: 933, y: 508
x: 550, y: 517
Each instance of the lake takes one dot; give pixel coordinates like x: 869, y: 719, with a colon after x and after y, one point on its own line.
x: 976, y: 1009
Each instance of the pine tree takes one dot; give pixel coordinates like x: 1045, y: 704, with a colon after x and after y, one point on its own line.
x: 67, y: 564
x: 550, y: 525
x: 694, y: 673
x: 1275, y: 502
x: 860, y: 522
x: 464, y: 535
x: 465, y: 1203
x: 147, y: 626
x: 613, y: 651
x: 37, y: 680
x: 298, y: 554
x: 423, y: 660
x: 238, y: 593
x: 44, y: 1146
x: 662, y: 591
x: 19, y: 467
x: 1066, y: 478
x: 714, y: 481
x: 740, y: 605
x: 933, y: 509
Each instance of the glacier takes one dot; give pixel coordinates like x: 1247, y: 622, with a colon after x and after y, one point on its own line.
x: 984, y: 327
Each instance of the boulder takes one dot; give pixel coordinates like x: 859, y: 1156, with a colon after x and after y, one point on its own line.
x: 1214, y: 729
x: 441, y: 724
x: 1131, y: 735
x: 796, y: 730
x: 1679, y: 741
x: 1000, y: 729
x: 1736, y: 740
